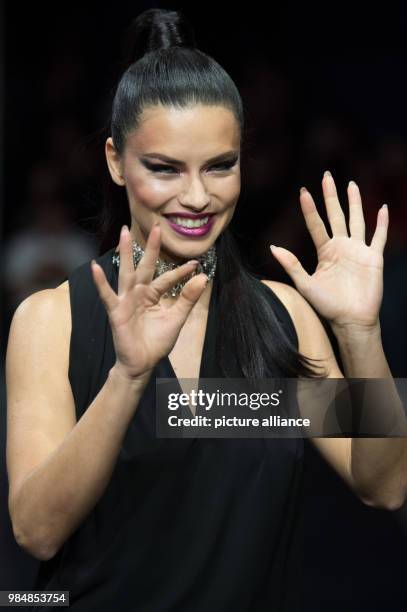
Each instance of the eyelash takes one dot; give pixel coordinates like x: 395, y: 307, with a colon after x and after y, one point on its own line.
x: 160, y: 167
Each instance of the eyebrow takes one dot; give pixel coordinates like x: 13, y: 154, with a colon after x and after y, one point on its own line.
x: 171, y: 160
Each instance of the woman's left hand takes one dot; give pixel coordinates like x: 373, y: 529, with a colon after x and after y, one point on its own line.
x: 347, y: 285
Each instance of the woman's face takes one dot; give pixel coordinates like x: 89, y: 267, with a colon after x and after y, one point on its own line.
x: 193, y: 184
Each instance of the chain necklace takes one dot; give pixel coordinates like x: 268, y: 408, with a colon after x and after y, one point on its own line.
x: 207, y: 265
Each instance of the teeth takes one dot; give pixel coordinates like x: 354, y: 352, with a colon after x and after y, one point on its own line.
x: 189, y: 222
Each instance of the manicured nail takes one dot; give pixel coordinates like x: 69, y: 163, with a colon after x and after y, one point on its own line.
x: 352, y: 183
x: 272, y: 246
x: 384, y: 206
x: 193, y: 261
x: 303, y: 189
x: 327, y: 173
x: 124, y: 229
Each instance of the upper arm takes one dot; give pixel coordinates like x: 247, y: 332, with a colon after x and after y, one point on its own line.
x: 40, y: 405
x: 313, y: 342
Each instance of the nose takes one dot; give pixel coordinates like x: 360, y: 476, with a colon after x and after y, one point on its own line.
x: 195, y: 196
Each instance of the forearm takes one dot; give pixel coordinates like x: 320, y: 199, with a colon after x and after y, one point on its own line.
x: 57, y: 495
x: 379, y: 465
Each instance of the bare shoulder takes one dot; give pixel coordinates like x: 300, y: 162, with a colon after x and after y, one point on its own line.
x: 58, y: 296
x: 39, y: 334
x: 40, y: 331
x: 45, y: 307
x: 301, y: 313
x: 299, y: 309
x: 313, y: 340
x: 284, y: 292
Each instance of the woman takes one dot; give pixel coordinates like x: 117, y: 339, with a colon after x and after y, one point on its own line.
x: 119, y: 517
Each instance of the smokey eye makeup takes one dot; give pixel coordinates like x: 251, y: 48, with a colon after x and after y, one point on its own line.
x: 168, y: 169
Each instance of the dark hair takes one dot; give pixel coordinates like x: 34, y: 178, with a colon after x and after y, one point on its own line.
x: 163, y: 66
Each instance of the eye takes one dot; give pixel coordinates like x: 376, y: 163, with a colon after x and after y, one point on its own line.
x: 159, y: 168
x: 225, y: 165
x: 164, y: 169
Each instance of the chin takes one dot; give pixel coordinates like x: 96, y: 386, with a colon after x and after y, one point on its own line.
x: 193, y: 251
x: 184, y: 247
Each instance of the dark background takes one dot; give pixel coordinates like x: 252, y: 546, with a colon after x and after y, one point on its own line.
x: 323, y: 88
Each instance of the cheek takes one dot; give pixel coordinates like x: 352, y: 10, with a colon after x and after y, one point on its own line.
x: 149, y: 191
x: 230, y: 189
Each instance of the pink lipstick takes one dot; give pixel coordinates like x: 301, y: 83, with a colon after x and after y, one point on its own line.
x: 193, y: 231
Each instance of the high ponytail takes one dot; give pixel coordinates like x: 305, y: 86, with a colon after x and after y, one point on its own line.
x: 163, y: 66
x: 156, y: 29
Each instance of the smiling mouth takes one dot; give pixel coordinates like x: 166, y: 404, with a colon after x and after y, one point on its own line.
x: 190, y: 223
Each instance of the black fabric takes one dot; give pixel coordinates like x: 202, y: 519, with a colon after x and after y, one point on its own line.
x: 185, y: 525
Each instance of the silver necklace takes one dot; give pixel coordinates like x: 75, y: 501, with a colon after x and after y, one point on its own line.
x: 207, y: 265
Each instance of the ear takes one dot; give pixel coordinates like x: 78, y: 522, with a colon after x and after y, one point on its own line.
x: 114, y: 162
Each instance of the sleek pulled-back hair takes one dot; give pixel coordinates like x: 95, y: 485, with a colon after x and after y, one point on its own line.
x: 163, y: 67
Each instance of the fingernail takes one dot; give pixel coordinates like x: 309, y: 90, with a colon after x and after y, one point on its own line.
x: 384, y: 206
x: 352, y: 183
x: 303, y: 189
x: 193, y: 261
x: 327, y: 173
x: 272, y: 246
x: 124, y: 229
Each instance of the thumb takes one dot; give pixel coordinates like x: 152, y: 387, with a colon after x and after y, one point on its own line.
x: 189, y: 296
x: 293, y: 267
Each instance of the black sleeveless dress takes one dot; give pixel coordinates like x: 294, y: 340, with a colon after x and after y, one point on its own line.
x: 184, y: 525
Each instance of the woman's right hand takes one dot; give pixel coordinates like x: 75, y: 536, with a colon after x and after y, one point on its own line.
x: 144, y: 331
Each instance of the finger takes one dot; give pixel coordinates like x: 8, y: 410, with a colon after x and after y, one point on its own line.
x: 313, y: 221
x: 293, y: 267
x: 380, y: 235
x: 334, y: 210
x: 356, y: 218
x: 188, y: 297
x: 146, y: 267
x: 126, y: 265
x: 106, y: 293
x: 167, y: 280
